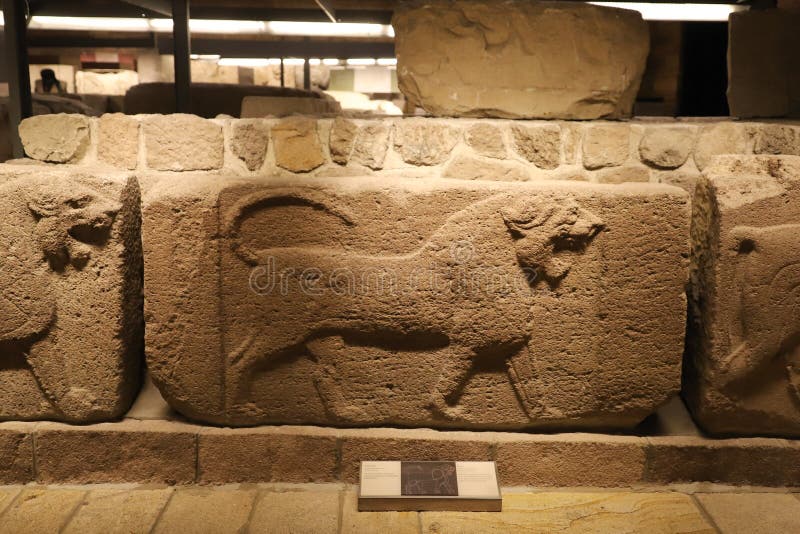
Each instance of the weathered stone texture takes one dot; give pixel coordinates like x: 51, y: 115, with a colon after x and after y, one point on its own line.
x: 16, y: 455
x: 487, y: 59
x: 620, y: 175
x: 118, y: 142
x: 118, y: 511
x: 667, y: 147
x: 340, y: 338
x: 58, y: 138
x: 539, y: 144
x: 342, y: 137
x: 199, y: 510
x: 70, y: 294
x: 182, y: 143
x: 486, y: 140
x: 297, y: 511
x: 370, y: 145
x: 470, y: 168
x: 249, y: 141
x: 743, y: 375
x: 422, y: 142
x: 606, y: 145
x: 717, y: 139
x: 297, y: 145
x: 776, y: 139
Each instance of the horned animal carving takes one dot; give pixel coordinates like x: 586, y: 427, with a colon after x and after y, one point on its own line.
x: 543, y: 237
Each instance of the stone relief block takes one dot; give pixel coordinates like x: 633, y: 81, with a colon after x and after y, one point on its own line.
x: 441, y: 303
x: 743, y: 348
x: 71, y: 295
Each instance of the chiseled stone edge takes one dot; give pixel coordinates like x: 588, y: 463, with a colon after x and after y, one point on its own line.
x: 134, y: 451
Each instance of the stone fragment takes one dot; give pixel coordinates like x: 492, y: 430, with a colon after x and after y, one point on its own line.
x: 249, y: 142
x: 118, y: 140
x: 718, y: 139
x: 424, y: 142
x: 71, y: 264
x: 666, y: 147
x: 370, y: 146
x: 470, y: 168
x: 486, y: 140
x: 182, y: 142
x: 56, y: 138
x: 297, y: 145
x: 207, y: 510
x: 342, y: 137
x: 297, y: 511
x: 118, y: 511
x: 338, y: 337
x: 41, y: 510
x: 752, y: 513
x: 540, y: 144
x: 620, y: 175
x: 776, y: 139
x: 743, y: 375
x: 606, y: 145
x: 282, y: 106
x: 511, y: 59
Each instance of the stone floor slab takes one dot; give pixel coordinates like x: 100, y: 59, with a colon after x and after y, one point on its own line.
x: 7, y: 497
x: 207, y: 511
x: 296, y: 512
x: 355, y: 522
x: 752, y: 513
x: 40, y: 510
x: 116, y: 511
x: 577, y: 512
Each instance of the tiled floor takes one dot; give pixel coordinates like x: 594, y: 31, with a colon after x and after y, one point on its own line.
x: 324, y: 508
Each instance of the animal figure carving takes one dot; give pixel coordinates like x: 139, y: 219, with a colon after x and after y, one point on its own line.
x: 767, y: 325
x: 44, y: 228
x: 530, y: 241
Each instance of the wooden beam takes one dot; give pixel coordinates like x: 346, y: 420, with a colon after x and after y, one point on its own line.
x: 181, y: 53
x: 19, y: 80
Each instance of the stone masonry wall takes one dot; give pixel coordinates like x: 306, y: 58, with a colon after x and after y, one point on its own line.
x: 672, y: 151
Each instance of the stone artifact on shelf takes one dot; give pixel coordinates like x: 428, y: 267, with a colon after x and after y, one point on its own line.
x: 439, y: 303
x: 520, y: 59
x: 743, y: 346
x: 70, y: 294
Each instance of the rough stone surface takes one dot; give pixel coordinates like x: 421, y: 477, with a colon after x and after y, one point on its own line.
x: 182, y: 142
x: 118, y: 140
x: 198, y: 510
x: 621, y: 175
x: 386, y: 279
x: 41, y: 510
x: 743, y: 375
x: 16, y: 455
x: 297, y: 145
x: 249, y: 142
x: 354, y: 521
x: 58, y: 138
x: 685, y: 180
x: 136, y: 452
x: 776, y: 139
x: 667, y: 147
x: 756, y: 513
x: 606, y: 145
x: 486, y: 140
x: 470, y: 168
x: 70, y: 293
x: 484, y: 59
x: 118, y: 511
x: 342, y: 137
x: 422, y: 142
x: 297, y: 512
x: 540, y: 144
x: 718, y: 139
x: 370, y: 146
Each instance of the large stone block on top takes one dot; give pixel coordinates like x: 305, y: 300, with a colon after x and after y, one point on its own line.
x: 743, y: 350
x: 439, y: 303
x: 520, y: 59
x: 70, y: 293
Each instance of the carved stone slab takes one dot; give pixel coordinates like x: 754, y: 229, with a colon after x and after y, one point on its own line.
x: 743, y: 363
x: 438, y: 303
x: 70, y: 294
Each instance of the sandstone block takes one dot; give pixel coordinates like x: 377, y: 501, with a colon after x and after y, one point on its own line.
x: 666, y: 147
x: 16, y: 455
x: 354, y: 522
x: 70, y: 297
x: 118, y: 140
x: 297, y: 512
x: 776, y: 139
x: 370, y: 145
x: 469, y: 168
x: 56, y: 138
x: 319, y: 300
x: 41, y: 510
x: 750, y: 513
x: 297, y: 145
x: 718, y: 139
x: 182, y: 142
x: 118, y: 511
x: 484, y: 59
x: 486, y: 140
x: 743, y: 375
x: 541, y: 144
x: 249, y: 142
x: 342, y: 137
x: 207, y: 510
x: 620, y: 175
x: 606, y: 145
x: 422, y: 142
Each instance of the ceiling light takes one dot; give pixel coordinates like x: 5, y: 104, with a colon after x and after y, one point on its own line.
x: 387, y: 61
x: 680, y: 12
x: 329, y: 29
x: 244, y: 62
x: 293, y: 61
x: 330, y: 61
x: 361, y: 62
x: 205, y: 56
x: 314, y: 61
x: 89, y: 23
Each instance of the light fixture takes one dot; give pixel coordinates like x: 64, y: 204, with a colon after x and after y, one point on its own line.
x: 293, y: 61
x: 678, y: 12
x: 329, y: 29
x: 330, y: 61
x: 361, y: 62
x: 210, y: 57
x: 387, y: 61
x: 244, y: 62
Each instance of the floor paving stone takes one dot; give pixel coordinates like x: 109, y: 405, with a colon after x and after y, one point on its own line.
x: 355, y: 522
x: 207, y: 511
x: 7, y: 497
x: 296, y: 512
x: 117, y: 511
x: 752, y: 513
x: 40, y: 510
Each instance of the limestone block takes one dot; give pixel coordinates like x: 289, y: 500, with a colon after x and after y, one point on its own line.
x: 470, y: 168
x: 539, y: 144
x: 370, y: 145
x: 486, y: 140
x: 666, y: 147
x: 511, y: 59
x: 70, y: 304
x: 320, y: 300
x: 118, y: 142
x: 606, y: 145
x: 182, y: 142
x: 776, y: 139
x: 249, y: 142
x: 298, y: 511
x: 718, y: 139
x: 342, y: 137
x: 281, y: 106
x: 57, y: 138
x: 118, y: 511
x: 620, y: 175
x: 297, y: 145
x: 201, y: 510
x: 743, y: 373
x: 424, y: 142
